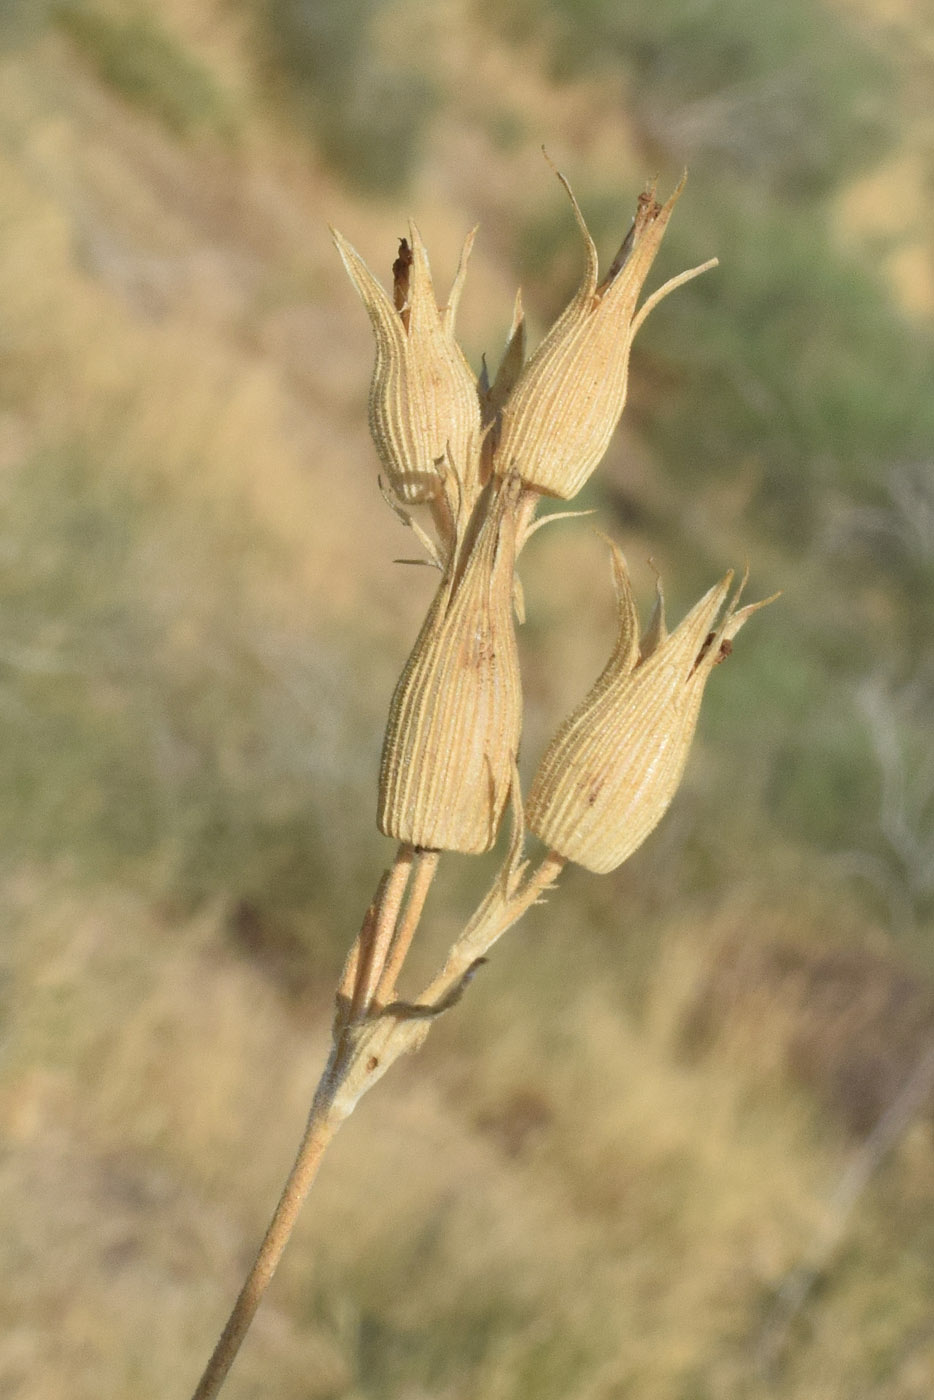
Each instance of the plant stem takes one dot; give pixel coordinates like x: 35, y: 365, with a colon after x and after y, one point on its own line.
x: 322, y: 1126
x: 369, y: 977
x: 426, y: 863
x: 373, y: 955
x: 494, y: 916
x: 362, y: 972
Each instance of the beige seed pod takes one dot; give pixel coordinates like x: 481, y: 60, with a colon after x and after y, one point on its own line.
x: 557, y: 423
x: 456, y: 715
x: 424, y: 403
x: 611, y: 771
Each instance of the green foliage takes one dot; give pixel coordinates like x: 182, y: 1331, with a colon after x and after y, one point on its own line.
x: 788, y: 362
x: 788, y: 95
x: 22, y: 20
x: 154, y: 720
x: 824, y: 789
x: 141, y: 61
x: 891, y: 538
x: 368, y: 114
x: 790, y: 358
x: 474, y: 1318
x: 484, y: 1332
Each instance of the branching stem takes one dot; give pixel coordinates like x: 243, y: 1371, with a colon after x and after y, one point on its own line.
x: 497, y: 913
x: 367, y: 984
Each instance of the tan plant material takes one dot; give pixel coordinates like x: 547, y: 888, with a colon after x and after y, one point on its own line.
x: 493, y: 396
x: 424, y: 405
x: 456, y: 715
x: 558, y: 420
x: 479, y: 456
x: 611, y: 771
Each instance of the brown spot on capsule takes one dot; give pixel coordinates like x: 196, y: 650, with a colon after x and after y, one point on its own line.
x: 594, y: 792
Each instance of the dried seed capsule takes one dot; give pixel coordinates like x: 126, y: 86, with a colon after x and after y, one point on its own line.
x: 424, y: 402
x: 611, y: 771
x: 557, y: 422
x: 455, y: 718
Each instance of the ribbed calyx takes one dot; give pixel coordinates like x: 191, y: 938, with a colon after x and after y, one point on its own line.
x: 454, y: 723
x: 480, y: 455
x: 611, y: 771
x: 558, y: 420
x: 424, y: 404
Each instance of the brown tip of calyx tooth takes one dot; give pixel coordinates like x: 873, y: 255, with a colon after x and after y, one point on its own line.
x: 400, y: 275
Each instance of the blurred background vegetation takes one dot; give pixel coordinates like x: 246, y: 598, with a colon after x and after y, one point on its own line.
x: 679, y: 1143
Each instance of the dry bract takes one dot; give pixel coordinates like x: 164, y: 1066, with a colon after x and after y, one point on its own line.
x: 611, y: 771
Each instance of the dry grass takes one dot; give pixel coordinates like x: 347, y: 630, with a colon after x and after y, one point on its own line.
x: 628, y: 1236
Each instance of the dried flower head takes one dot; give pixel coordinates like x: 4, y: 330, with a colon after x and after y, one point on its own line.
x: 424, y: 403
x: 611, y: 771
x: 558, y: 420
x: 456, y: 715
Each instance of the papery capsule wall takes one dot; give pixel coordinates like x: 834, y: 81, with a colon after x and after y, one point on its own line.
x: 456, y: 715
x: 558, y: 420
x: 424, y: 404
x: 610, y: 773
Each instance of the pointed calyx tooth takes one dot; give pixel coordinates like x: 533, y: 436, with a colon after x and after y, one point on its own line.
x: 611, y: 771
x: 456, y: 715
x: 557, y: 422
x: 510, y: 366
x: 493, y: 396
x: 424, y: 404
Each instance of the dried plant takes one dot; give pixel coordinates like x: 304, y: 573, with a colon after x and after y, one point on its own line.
x: 479, y: 457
